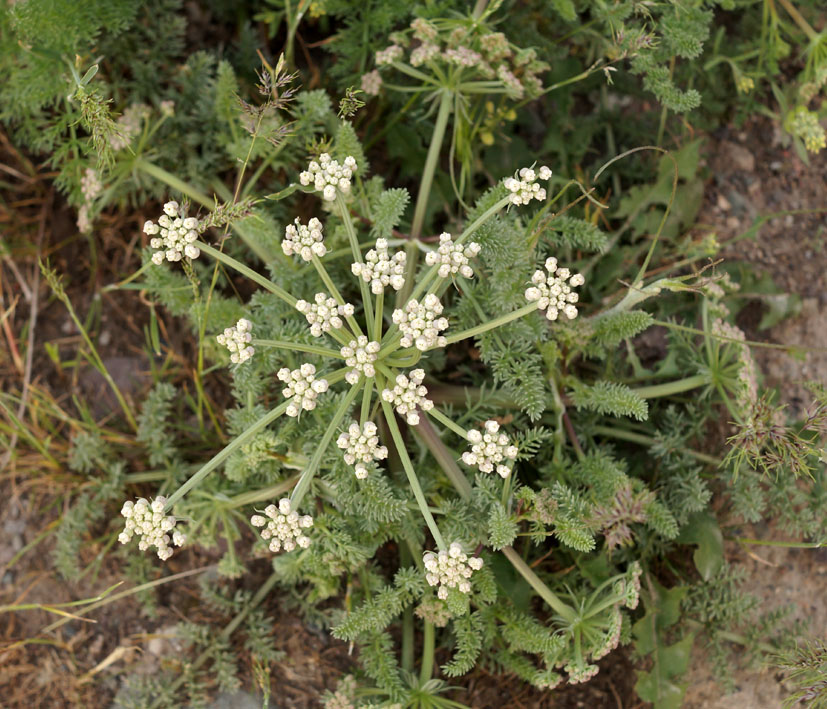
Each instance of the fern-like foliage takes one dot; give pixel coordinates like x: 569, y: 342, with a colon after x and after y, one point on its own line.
x: 469, y: 636
x: 576, y: 234
x: 387, y: 210
x: 612, y: 398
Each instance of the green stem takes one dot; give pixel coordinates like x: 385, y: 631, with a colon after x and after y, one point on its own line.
x: 536, y: 583
x: 225, y: 453
x: 366, y: 401
x: 463, y: 487
x: 476, y: 224
x: 396, y: 434
x: 448, y: 423
x: 446, y: 459
x: 492, y: 324
x: 669, y: 388
x: 444, y: 112
x: 623, y: 435
x: 196, y: 195
x: 247, y: 271
x: 267, y: 493
x: 357, y: 255
x: 331, y: 287
x: 377, y: 324
x: 798, y: 18
x: 298, y: 347
x: 460, y: 396
x: 786, y: 545
x: 406, y: 559
x: 426, y: 669
x: 307, y: 476
x: 484, y: 217
x: 446, y: 100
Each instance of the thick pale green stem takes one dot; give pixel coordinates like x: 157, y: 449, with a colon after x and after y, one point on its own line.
x: 396, y: 434
x: 307, y: 476
x: 357, y: 255
x: 247, y: 271
x: 225, y: 453
x: 446, y: 101
x: 366, y: 401
x: 564, y: 610
x: 267, y: 493
x: 377, y: 325
x: 426, y: 669
x: 448, y: 423
x: 670, y: 388
x: 785, y: 545
x: 444, y: 457
x: 632, y: 437
x: 298, y: 347
x: 491, y: 324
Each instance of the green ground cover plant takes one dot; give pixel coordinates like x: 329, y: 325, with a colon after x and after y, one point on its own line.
x: 420, y: 253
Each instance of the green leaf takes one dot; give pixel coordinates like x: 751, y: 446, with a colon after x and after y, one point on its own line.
x: 668, y: 661
x: 611, y: 398
x: 702, y: 529
x: 655, y: 687
x: 565, y: 8
x: 387, y: 211
x: 779, y: 307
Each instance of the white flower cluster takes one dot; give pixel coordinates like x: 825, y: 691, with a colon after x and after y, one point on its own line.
x: 424, y: 53
x: 324, y: 314
x: 551, y: 291
x: 408, y: 394
x: 177, y: 234
x: 580, y: 673
x: 491, y: 450
x: 628, y: 588
x: 304, y: 240
x: 90, y: 184
x: 302, y: 387
x: 129, y: 125
x: 361, y: 446
x: 380, y: 269
x: 420, y: 323
x: 389, y: 55
x: 283, y: 526
x: 452, y: 258
x: 450, y: 569
x: 612, y: 637
x: 237, y: 340
x: 360, y: 354
x: 148, y: 521
x: 526, y: 188
x: 327, y: 176
x: 372, y: 83
x: 747, y: 390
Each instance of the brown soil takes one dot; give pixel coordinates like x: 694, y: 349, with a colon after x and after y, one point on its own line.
x: 754, y: 176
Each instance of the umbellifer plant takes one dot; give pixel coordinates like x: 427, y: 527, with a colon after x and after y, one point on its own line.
x: 350, y: 446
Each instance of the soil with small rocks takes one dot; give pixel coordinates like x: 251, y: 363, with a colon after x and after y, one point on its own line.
x: 756, y: 175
